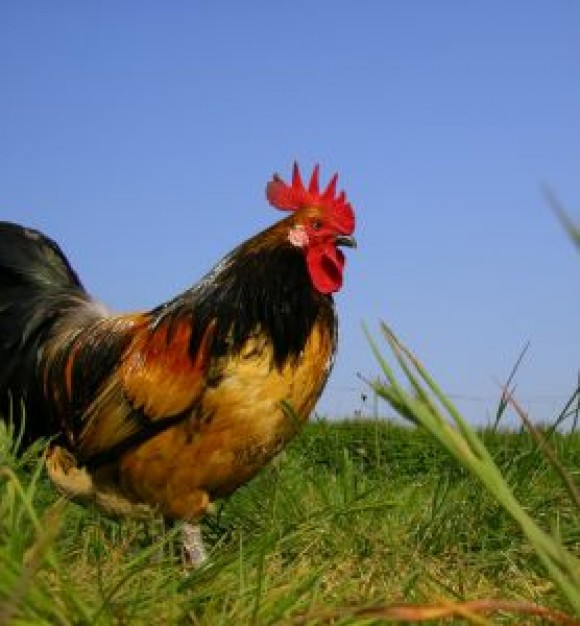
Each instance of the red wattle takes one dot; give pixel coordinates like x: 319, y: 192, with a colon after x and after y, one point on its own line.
x: 325, y: 264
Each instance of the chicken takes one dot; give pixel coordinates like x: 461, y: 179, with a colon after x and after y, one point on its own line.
x: 169, y: 409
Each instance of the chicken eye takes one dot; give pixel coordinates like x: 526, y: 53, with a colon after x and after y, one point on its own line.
x: 316, y: 224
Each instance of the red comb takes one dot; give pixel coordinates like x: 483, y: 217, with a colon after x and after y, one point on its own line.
x: 296, y: 196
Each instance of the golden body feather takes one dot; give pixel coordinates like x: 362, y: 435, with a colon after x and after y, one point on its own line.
x: 232, y: 431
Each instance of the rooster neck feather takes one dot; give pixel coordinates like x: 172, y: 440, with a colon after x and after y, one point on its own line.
x: 255, y: 289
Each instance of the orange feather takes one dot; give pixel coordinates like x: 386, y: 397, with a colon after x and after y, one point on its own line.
x: 158, y: 373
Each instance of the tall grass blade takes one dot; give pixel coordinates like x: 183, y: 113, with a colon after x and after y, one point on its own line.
x: 431, y: 408
x: 503, y: 401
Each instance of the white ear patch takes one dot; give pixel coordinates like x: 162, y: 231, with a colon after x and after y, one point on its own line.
x: 298, y: 236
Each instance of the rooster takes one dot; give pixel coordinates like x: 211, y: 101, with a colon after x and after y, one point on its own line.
x: 169, y: 409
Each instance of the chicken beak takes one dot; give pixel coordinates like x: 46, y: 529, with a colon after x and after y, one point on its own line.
x: 345, y: 240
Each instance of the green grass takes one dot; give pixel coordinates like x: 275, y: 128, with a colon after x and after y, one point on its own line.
x: 352, y: 515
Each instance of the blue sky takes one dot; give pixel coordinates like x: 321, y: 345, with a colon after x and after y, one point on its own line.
x: 140, y: 135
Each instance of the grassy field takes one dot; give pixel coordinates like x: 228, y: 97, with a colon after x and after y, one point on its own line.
x: 353, y: 517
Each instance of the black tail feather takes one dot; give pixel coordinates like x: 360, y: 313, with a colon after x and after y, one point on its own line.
x: 37, y: 286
